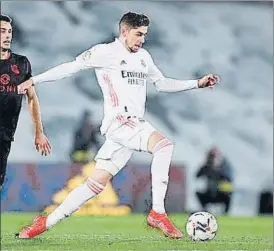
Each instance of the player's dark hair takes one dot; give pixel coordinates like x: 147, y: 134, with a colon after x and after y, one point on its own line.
x: 134, y: 20
x: 6, y: 18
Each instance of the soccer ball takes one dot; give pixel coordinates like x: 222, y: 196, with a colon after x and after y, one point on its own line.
x: 201, y: 226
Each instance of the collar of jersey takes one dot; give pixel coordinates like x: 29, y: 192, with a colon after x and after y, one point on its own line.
x: 10, y: 54
x: 121, y: 45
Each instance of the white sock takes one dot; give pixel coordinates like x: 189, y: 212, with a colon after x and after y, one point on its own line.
x: 159, y: 171
x: 74, y: 201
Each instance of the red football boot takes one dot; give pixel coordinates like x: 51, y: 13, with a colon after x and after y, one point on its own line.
x: 38, y: 227
x: 162, y: 222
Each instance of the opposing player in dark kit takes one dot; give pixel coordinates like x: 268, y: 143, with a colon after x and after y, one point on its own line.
x: 14, y: 69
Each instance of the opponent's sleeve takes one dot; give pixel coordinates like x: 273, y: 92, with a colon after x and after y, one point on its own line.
x: 163, y: 84
x: 28, y: 70
x: 88, y: 59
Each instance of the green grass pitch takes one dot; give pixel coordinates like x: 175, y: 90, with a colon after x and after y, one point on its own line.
x: 98, y: 233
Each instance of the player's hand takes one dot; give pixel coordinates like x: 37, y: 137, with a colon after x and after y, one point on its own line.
x: 42, y: 144
x: 23, y: 87
x: 208, y: 81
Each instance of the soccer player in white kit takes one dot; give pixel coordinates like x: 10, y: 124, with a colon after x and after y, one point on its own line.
x: 123, y: 70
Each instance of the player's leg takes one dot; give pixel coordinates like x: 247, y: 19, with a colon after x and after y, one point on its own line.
x: 162, y: 150
x: 75, y: 199
x: 225, y: 199
x: 4, y: 153
x: 141, y: 136
x: 110, y: 160
x: 204, y: 199
x: 138, y: 134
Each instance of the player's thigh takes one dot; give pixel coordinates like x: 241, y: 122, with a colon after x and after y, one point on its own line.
x: 5, y: 148
x: 141, y: 136
x: 149, y: 137
x: 112, y: 157
x: 205, y: 197
x: 4, y: 152
x: 222, y: 197
x: 131, y: 135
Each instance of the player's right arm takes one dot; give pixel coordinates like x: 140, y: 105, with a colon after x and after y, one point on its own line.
x: 92, y: 58
x: 164, y: 84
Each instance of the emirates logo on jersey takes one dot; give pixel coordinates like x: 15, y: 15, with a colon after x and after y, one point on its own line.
x: 135, y: 78
x: 15, y: 69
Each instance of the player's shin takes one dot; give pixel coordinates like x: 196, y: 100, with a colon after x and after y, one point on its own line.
x: 74, y: 201
x: 162, y: 154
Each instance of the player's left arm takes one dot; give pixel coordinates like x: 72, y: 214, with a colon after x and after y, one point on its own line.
x: 41, y: 142
x: 164, y: 84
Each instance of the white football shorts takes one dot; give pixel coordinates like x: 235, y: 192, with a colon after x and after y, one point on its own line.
x: 124, y: 136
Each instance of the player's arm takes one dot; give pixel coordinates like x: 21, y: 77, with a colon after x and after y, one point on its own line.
x: 89, y: 59
x: 164, y: 84
x: 41, y: 142
x: 201, y: 172
x: 34, y: 109
x: 59, y: 72
x: 53, y: 74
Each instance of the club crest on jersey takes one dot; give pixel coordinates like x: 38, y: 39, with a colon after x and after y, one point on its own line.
x: 15, y: 69
x: 143, y: 63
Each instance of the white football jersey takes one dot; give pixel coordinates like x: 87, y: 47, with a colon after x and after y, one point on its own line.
x: 122, y: 77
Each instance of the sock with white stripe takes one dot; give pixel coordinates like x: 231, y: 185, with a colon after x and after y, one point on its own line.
x: 74, y: 201
x: 162, y: 154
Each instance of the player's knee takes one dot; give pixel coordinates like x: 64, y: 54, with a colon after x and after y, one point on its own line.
x: 3, y: 164
x: 94, y: 186
x: 2, y: 179
x: 164, y: 145
x: 104, y: 170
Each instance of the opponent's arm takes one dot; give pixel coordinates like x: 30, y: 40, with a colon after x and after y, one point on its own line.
x: 34, y: 109
x: 41, y: 142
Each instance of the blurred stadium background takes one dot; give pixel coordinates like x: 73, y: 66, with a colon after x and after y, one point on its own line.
x: 187, y: 40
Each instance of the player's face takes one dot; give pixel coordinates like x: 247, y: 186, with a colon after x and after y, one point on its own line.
x: 134, y: 38
x: 6, y: 35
